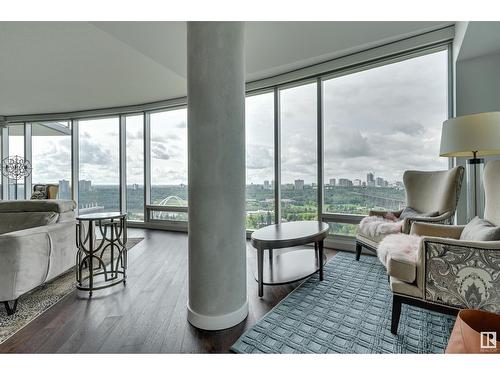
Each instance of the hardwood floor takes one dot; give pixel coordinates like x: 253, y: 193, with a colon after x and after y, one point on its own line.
x: 147, y: 316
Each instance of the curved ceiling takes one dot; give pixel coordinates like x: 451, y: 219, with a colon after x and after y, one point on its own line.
x: 49, y: 67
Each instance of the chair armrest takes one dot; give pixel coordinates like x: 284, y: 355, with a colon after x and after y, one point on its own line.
x: 382, y: 213
x: 462, y: 274
x: 441, y: 219
x: 436, y: 230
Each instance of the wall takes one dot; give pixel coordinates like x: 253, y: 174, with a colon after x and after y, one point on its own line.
x: 478, y: 84
x: 477, y: 80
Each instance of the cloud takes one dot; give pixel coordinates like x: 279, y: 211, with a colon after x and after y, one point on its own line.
x: 159, y: 151
x: 412, y: 128
x: 135, y: 135
x: 165, y: 138
x: 347, y: 143
x: 259, y: 157
x: 93, y: 153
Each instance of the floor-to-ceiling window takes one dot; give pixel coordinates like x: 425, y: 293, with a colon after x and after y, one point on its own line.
x: 134, y: 139
x: 259, y: 128
x: 299, y: 168
x: 51, y: 155
x: 99, y: 165
x: 1, y: 164
x: 169, y: 162
x: 16, y: 149
x: 378, y: 123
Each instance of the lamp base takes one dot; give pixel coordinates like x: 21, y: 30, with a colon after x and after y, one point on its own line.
x: 475, y: 189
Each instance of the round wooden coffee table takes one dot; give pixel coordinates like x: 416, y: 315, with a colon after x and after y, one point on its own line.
x: 292, y: 265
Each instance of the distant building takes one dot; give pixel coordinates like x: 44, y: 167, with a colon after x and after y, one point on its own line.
x: 380, y: 181
x: 84, y: 186
x: 400, y: 185
x: 370, y: 179
x: 333, y: 182
x: 356, y: 182
x: 287, y: 187
x: 344, y: 182
x: 64, y: 190
x: 267, y: 185
x: 363, y: 184
x: 299, y: 184
x: 272, y: 185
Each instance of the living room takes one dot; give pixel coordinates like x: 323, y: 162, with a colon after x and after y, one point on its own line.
x: 223, y: 184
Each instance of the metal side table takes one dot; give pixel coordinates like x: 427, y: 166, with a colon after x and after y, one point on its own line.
x: 104, y: 259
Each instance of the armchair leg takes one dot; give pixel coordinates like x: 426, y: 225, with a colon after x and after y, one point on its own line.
x: 358, y: 250
x: 10, y: 310
x: 396, y: 313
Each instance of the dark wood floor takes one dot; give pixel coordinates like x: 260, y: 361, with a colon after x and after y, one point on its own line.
x: 147, y: 316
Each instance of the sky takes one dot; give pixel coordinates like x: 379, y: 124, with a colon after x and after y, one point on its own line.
x: 382, y: 120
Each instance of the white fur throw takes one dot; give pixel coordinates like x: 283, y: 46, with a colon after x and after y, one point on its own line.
x: 401, y: 246
x: 376, y: 226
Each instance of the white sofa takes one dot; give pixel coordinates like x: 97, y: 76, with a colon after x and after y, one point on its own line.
x: 37, y: 244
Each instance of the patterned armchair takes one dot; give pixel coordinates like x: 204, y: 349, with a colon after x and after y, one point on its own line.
x: 453, y: 274
x: 427, y: 192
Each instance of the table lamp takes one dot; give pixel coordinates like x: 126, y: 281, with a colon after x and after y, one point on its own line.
x: 473, y: 136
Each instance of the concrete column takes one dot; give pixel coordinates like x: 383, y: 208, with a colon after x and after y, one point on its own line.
x: 216, y: 158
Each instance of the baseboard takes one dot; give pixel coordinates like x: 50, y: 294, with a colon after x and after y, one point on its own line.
x: 217, y: 322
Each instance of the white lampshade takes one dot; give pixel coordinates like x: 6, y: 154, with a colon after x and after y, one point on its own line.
x: 464, y: 135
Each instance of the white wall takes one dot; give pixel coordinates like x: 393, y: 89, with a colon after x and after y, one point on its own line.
x: 477, y: 84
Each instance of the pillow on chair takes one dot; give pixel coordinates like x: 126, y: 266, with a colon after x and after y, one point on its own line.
x: 40, y: 192
x: 410, y: 212
x: 480, y: 230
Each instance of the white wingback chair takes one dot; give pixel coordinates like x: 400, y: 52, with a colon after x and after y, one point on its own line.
x: 426, y: 192
x: 449, y: 273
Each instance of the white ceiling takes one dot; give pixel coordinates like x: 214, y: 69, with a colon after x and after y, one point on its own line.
x: 48, y: 67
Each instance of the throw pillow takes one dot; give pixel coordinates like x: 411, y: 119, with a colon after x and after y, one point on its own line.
x: 480, y: 230
x: 410, y: 212
x: 38, y: 195
x: 39, y: 192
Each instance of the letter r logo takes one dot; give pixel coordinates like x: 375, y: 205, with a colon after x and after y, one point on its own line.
x: 488, y: 340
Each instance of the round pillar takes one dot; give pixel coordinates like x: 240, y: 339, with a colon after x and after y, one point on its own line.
x: 216, y: 165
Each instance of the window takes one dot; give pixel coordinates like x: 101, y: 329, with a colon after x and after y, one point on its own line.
x: 377, y: 124
x: 259, y: 128
x: 169, y: 161
x: 98, y: 185
x: 135, y: 167
x: 299, y: 195
x: 51, y: 155
x: 16, y: 148
x: 1, y: 165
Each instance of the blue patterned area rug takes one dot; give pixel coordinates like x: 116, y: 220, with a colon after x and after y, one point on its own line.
x: 348, y: 312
